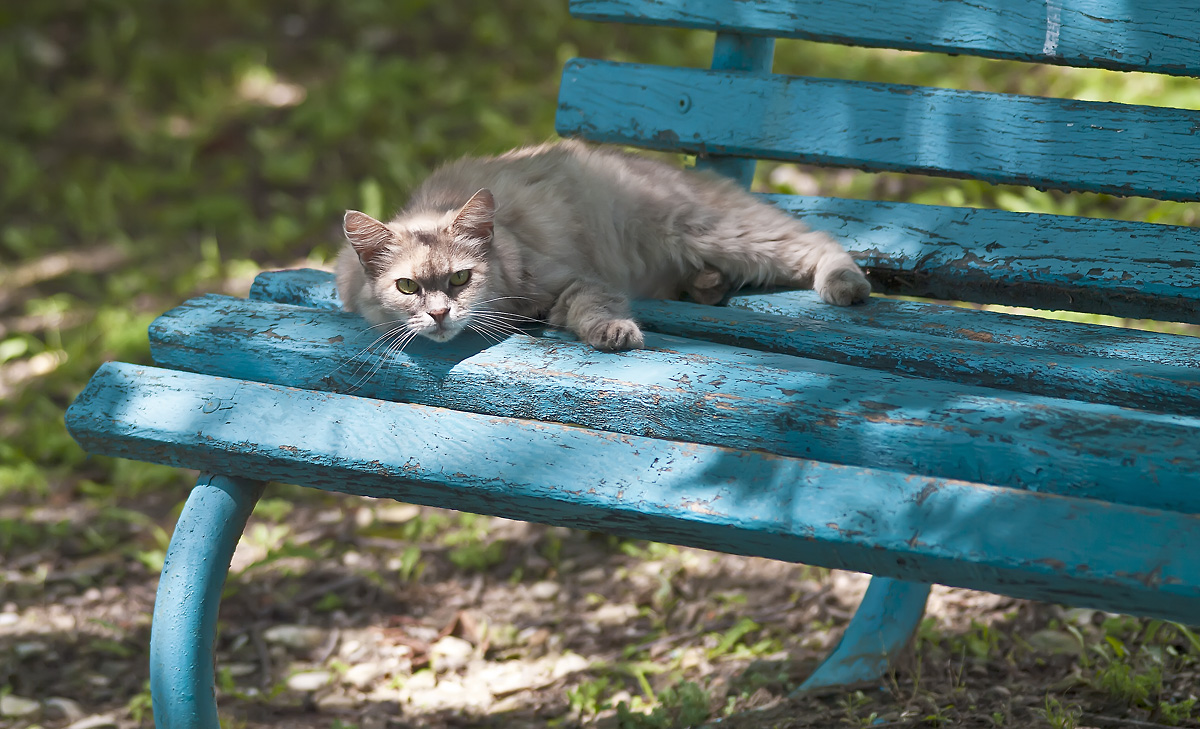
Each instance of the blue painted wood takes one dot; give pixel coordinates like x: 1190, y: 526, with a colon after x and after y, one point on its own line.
x: 310, y: 287
x: 1059, y: 359
x: 1048, y: 143
x: 710, y: 393
x: 1152, y: 386
x: 1116, y: 34
x: 749, y: 54
x: 189, y: 592
x: 882, y: 627
x: 1026, y: 544
x: 1049, y: 336
x: 1137, y: 270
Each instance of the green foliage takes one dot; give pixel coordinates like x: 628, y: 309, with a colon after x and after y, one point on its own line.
x: 139, y: 706
x: 588, y: 698
x: 732, y: 637
x: 682, y: 706
x: 1177, y: 714
x: 1059, y: 716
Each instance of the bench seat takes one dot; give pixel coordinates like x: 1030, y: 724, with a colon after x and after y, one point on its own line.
x: 1014, y: 541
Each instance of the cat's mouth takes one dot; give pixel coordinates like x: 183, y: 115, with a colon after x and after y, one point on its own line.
x: 441, y: 332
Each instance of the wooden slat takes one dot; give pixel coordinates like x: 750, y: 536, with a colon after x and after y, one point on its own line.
x: 1024, y: 544
x: 1116, y: 34
x: 1136, y: 270
x: 1032, y: 334
x: 312, y: 288
x: 1152, y: 386
x: 709, y: 393
x: 1119, y: 149
x: 1057, y: 359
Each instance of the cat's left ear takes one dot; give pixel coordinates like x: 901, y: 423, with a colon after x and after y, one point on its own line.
x: 368, y: 236
x: 476, y: 219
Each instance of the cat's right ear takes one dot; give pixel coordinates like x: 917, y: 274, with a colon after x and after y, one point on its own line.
x: 475, y: 222
x: 368, y: 236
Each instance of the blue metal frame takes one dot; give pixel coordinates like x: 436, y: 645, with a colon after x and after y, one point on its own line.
x: 736, y: 52
x: 189, y: 595
x: 881, y: 629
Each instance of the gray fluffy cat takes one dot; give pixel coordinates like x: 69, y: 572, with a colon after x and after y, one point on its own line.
x: 570, y: 233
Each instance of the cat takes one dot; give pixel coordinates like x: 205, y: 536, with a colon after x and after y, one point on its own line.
x: 570, y: 233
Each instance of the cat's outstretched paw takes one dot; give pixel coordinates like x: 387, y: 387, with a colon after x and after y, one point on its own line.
x: 615, y: 335
x: 844, y: 286
x: 709, y: 286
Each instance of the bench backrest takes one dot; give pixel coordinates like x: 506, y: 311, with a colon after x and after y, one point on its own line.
x: 739, y: 111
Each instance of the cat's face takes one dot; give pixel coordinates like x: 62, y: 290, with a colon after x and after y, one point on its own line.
x: 429, y: 274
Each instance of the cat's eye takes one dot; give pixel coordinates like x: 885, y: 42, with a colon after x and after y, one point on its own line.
x: 407, y: 286
x: 458, y: 278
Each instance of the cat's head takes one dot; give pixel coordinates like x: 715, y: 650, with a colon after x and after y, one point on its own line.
x: 427, y: 271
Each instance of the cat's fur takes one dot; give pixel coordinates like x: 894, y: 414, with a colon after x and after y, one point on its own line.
x: 572, y: 232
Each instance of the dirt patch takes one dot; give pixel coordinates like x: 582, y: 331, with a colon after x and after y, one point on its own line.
x: 347, y: 612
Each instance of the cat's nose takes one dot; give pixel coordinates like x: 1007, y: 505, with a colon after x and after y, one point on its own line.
x: 439, y: 315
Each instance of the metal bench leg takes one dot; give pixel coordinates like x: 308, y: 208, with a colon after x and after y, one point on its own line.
x: 886, y: 620
x: 189, y: 593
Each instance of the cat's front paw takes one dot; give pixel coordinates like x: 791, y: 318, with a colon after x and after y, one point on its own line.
x: 615, y: 335
x: 844, y: 286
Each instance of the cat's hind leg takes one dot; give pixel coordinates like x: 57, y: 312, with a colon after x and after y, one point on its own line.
x: 709, y: 286
x: 599, y: 317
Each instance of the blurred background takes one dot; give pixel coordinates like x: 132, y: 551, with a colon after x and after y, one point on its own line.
x: 153, y: 151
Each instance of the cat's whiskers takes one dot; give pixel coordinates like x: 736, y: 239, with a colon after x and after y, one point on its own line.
x: 504, y: 315
x: 487, y: 334
x: 501, y: 298
x: 397, y: 347
x: 358, y: 355
x: 492, y: 326
x: 397, y: 335
x: 498, y: 325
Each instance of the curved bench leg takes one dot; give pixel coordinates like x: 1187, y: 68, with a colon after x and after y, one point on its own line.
x: 885, y: 622
x: 189, y: 593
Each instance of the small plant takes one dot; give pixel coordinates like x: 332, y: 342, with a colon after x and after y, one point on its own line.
x: 586, y: 698
x: 1059, y: 716
x: 678, y: 708
x: 1177, y: 714
x: 982, y: 641
x: 732, y: 637
x: 141, y: 705
x: 478, y: 556
x: 410, y: 564
x: 1123, y: 682
x: 851, y: 705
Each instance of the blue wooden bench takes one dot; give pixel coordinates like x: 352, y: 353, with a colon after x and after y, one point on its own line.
x: 917, y: 442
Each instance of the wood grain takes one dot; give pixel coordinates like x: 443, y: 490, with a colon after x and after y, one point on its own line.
x: 1119, y: 149
x: 1020, y: 543
x: 1059, y: 359
x: 1115, y: 267
x: 710, y: 393
x: 1126, y: 36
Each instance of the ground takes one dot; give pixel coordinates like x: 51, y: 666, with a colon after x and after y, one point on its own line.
x: 348, y: 612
